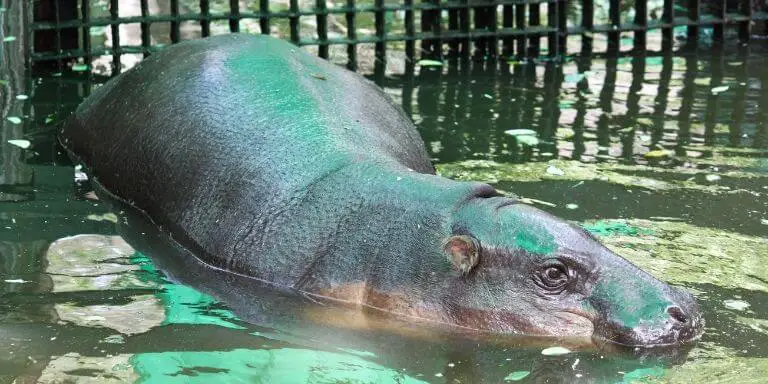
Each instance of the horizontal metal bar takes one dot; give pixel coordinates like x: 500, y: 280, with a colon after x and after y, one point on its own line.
x: 101, y: 22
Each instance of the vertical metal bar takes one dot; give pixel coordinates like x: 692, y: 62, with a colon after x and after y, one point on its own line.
x: 520, y: 25
x: 507, y: 21
x: 453, y: 25
x: 588, y: 22
x: 293, y: 20
x: 264, y: 19
x: 431, y: 23
x: 86, y: 19
x: 606, y: 105
x: 745, y: 8
x: 719, y: 28
x: 381, y: 32
x: 493, y: 22
x: 694, y: 9
x: 667, y: 17
x: 410, y: 32
x: 175, y: 25
x: 481, y: 23
x: 553, y: 21
x: 534, y: 19
x: 641, y: 19
x: 322, y: 28
x: 145, y: 36
x: 686, y: 107
x: 57, y: 30
x: 234, y: 15
x: 466, y: 43
x: 352, y: 36
x: 562, y: 26
x: 614, y: 15
x: 114, y: 12
x: 205, y: 18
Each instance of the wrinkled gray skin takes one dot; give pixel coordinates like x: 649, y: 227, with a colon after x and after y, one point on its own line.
x: 270, y: 163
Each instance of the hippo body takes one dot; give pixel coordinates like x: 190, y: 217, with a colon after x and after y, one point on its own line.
x: 270, y: 163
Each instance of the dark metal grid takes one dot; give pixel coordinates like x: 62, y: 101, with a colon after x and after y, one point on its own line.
x: 469, y: 25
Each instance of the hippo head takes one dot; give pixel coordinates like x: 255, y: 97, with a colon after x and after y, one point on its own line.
x: 521, y: 270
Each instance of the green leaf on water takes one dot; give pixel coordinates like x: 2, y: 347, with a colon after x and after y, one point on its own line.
x: 14, y: 119
x: 555, y: 351
x: 520, y: 132
x: 22, y: 97
x: 430, y: 63
x: 517, y: 375
x: 574, y: 78
x: 656, y: 154
x: 79, y: 68
x: 8, y: 39
x: 719, y: 89
x: 23, y: 144
x: 49, y: 119
x: 702, y: 81
x: 530, y: 141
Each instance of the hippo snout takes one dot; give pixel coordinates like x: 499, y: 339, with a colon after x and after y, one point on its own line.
x: 677, y: 322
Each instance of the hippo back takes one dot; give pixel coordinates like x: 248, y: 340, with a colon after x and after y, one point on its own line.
x: 229, y: 129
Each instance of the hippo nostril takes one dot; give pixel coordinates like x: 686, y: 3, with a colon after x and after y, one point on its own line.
x: 677, y: 314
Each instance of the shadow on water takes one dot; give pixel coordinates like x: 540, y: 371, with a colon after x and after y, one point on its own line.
x: 670, y: 119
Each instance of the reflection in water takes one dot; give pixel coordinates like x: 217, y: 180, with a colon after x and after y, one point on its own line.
x: 657, y: 147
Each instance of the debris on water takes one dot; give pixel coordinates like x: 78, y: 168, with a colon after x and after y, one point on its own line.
x: 451, y: 365
x: 719, y: 89
x: 712, y: 178
x: 529, y: 200
x: 574, y: 78
x: 430, y: 63
x: 105, y: 217
x: 575, y: 363
x: 571, y: 206
x: 438, y: 374
x: 79, y: 68
x: 552, y: 170
x: 555, y: 351
x: 701, y: 81
x: 8, y: 39
x: 520, y: 132
x: 14, y: 119
x: 737, y: 305
x: 656, y: 154
x: 114, y: 339
x: 22, y: 97
x: 487, y: 96
x: 23, y: 144
x: 319, y: 76
x: 764, y: 221
x: 49, y: 119
x: 17, y: 281
x: 517, y: 375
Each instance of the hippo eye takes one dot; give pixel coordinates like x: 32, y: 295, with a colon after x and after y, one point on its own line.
x: 553, y: 277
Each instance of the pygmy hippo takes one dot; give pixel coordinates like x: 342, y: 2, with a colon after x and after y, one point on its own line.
x: 268, y: 162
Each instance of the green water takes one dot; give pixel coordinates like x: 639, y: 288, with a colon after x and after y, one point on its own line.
x: 665, y: 159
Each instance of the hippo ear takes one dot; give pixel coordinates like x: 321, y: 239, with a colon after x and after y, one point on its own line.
x: 463, y: 252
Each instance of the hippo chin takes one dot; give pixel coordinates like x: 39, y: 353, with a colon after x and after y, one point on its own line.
x: 267, y: 162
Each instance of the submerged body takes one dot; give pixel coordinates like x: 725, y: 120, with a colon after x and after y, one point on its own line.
x: 267, y: 162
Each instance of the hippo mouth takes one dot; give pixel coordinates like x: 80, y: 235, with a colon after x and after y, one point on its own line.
x: 673, y: 333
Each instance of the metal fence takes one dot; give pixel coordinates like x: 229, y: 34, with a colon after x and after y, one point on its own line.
x: 64, y: 29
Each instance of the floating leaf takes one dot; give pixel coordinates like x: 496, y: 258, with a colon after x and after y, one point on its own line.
x: 656, y: 154
x: 79, y: 68
x: 702, y: 81
x: 105, y: 217
x: 719, y: 89
x: 572, y: 206
x: 49, y: 119
x: 574, y: 78
x: 430, y: 63
x: 644, y: 121
x: 319, y: 76
x: 530, y: 141
x: 513, y: 62
x: 555, y: 351
x: 14, y: 119
x: 517, y: 375
x: 588, y: 34
x: 17, y: 281
x: 736, y: 63
x: 520, y: 132
x: 552, y: 170
x: 737, y: 305
x: 8, y: 39
x: 24, y: 144
x: 22, y: 97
